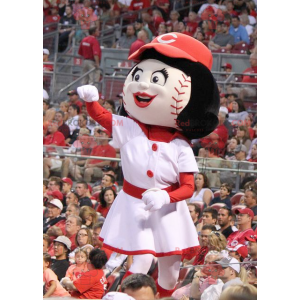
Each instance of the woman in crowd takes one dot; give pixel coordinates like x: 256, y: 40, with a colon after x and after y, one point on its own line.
x: 89, y: 216
x: 202, y: 192
x: 106, y: 197
x: 64, y: 107
x: 230, y: 154
x: 217, y: 242
x: 238, y: 113
x: 237, y: 292
x: 243, y: 136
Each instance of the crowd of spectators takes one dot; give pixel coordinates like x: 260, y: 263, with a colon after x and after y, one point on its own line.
x: 79, y: 192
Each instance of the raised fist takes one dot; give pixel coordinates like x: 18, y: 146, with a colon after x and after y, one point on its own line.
x: 88, y: 93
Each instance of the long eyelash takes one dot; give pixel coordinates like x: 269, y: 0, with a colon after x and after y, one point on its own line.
x: 165, y: 73
x: 135, y: 70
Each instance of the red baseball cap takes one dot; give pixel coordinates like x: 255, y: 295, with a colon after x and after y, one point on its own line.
x: 246, y: 211
x: 227, y: 66
x: 56, y: 194
x: 251, y: 238
x: 240, y: 249
x: 67, y: 180
x: 177, y: 45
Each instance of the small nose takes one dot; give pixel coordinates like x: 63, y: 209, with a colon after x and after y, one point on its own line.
x: 143, y: 85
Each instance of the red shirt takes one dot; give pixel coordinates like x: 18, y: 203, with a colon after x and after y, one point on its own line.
x: 138, y: 4
x: 103, y: 210
x: 56, y: 138
x: 52, y: 19
x: 105, y: 151
x: 250, y: 79
x: 72, y: 239
x: 192, y: 26
x: 89, y: 47
x: 136, y: 46
x: 221, y: 138
x: 91, y: 285
x: 238, y: 237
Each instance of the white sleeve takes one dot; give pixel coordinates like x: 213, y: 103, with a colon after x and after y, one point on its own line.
x: 186, y: 159
x: 123, y: 129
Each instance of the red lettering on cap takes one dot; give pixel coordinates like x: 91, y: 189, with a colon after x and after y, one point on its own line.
x: 167, y: 41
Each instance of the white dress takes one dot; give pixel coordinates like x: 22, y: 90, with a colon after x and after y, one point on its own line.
x: 128, y: 228
x: 199, y: 197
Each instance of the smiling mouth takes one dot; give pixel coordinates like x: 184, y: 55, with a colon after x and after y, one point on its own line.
x: 143, y: 99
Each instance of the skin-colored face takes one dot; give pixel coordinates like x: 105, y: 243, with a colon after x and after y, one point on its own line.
x: 199, y: 181
x: 193, y: 213
x: 253, y: 61
x: 235, y: 23
x: 96, y: 240
x: 130, y: 30
x: 181, y: 26
x: 240, y: 155
x: 240, y: 133
x: 59, y: 118
x: 80, y: 258
x: 207, y: 219
x: 151, y: 93
x: 59, y: 250
x: 204, y: 237
x: 223, y: 218
x: 81, y: 121
x: 82, y: 238
x: 200, y: 36
x: 81, y: 190
x: 66, y: 188
x: 45, y: 246
x: 70, y: 198
x: 53, y: 211
x: 243, y: 219
x: 162, y: 28
x: 88, y: 220
x: 73, y: 98
x: 232, y: 144
x: 254, y: 151
x: 212, y: 269
x: 71, y: 226
x: 174, y: 16
x: 144, y: 293
x: 109, y: 197
x: 72, y: 112
x: 235, y: 255
x: 53, y: 126
x: 249, y: 200
x: 192, y: 17
x: 252, y: 248
x: 223, y: 192
x: 138, y: 26
x: 70, y: 211
x: 106, y: 181
x: 63, y: 107
x: 235, y: 106
x: 68, y: 11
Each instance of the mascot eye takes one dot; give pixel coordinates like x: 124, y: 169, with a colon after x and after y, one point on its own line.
x: 136, y: 74
x: 159, y: 77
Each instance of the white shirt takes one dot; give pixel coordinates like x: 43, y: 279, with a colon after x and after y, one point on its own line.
x: 199, y: 197
x: 115, y: 261
x: 73, y: 123
x: 213, y: 292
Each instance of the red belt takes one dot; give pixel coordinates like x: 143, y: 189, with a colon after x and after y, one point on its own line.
x: 137, y: 192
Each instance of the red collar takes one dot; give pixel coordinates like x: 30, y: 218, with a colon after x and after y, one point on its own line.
x: 161, y: 133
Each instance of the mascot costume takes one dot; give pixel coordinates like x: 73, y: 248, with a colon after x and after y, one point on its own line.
x: 169, y: 97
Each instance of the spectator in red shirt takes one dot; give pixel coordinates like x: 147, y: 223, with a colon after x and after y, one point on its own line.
x: 55, y: 137
x: 73, y: 224
x: 90, y: 50
x: 253, y: 154
x: 252, y: 69
x: 91, y: 284
x: 142, y: 37
x: 182, y: 28
x: 174, y: 16
x: 138, y: 4
x: 63, y: 128
x: 50, y: 19
x: 192, y: 24
x: 97, y: 242
x: 46, y: 67
x: 106, y: 197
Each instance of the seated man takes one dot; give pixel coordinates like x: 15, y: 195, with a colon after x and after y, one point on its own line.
x: 225, y: 191
x: 54, y: 209
x: 93, y: 167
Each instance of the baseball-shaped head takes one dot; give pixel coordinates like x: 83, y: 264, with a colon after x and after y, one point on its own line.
x: 172, y: 86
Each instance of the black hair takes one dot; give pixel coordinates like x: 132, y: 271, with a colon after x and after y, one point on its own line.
x: 98, y: 258
x: 84, y: 183
x: 112, y: 178
x: 101, y: 195
x: 209, y: 227
x: 229, y: 211
x: 200, y: 117
x: 137, y: 281
x: 75, y: 107
x: 197, y: 208
x: 92, y: 30
x: 212, y: 211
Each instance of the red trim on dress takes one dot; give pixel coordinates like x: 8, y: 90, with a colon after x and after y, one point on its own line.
x: 139, y: 252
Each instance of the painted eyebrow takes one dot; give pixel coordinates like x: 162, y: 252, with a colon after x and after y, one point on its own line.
x: 135, y: 70
x: 164, y: 72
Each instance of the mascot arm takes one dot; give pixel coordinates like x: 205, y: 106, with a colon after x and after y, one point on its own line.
x: 100, y: 115
x: 186, y: 189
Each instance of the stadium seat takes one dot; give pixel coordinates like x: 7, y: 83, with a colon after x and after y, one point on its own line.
x: 217, y: 194
x: 217, y: 206
x: 113, y: 281
x: 234, y: 208
x: 235, y: 199
x: 185, y: 276
x: 240, y: 48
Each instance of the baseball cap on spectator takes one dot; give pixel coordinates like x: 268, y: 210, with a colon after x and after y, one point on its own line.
x: 72, y: 92
x: 56, y: 194
x: 240, y: 148
x: 251, y: 238
x: 240, y: 249
x: 45, y: 95
x: 223, y: 109
x: 117, y: 296
x: 46, y: 51
x: 226, y: 65
x: 56, y: 203
x: 139, y: 21
x: 246, y: 211
x: 231, y: 262
x: 64, y: 240
x: 67, y: 180
x: 107, y: 168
